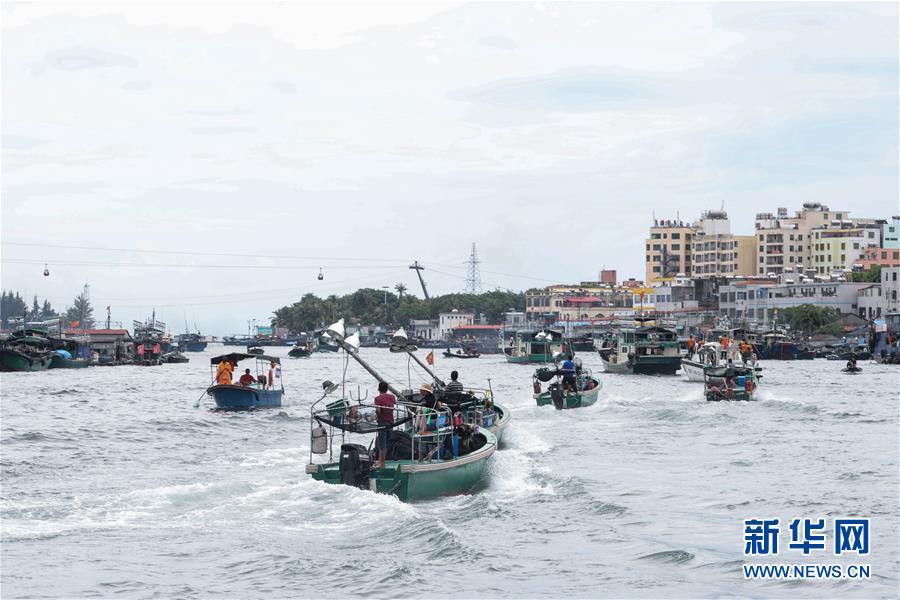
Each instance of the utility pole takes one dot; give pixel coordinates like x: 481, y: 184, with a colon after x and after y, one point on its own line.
x: 473, y: 274
x: 418, y: 269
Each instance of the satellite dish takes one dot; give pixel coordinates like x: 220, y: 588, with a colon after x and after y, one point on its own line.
x: 336, y: 330
x: 321, y: 276
x: 352, y: 343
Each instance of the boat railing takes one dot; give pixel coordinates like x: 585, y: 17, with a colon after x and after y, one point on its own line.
x: 343, y: 420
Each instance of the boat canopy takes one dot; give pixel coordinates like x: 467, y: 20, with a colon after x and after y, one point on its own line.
x: 239, y: 356
x: 720, y: 371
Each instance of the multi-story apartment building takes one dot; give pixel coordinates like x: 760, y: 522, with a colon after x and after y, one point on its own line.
x: 716, y: 252
x: 782, y: 242
x: 577, y: 303
x: 890, y: 289
x: 668, y: 249
x: 889, y: 233
x: 839, y: 246
x: 761, y: 299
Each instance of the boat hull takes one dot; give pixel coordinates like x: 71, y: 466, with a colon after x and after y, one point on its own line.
x: 529, y: 359
x: 645, y: 365
x: 572, y: 400
x: 412, y: 480
x: 61, y: 362
x: 192, y: 347
x: 14, y: 361
x: 693, y: 370
x: 239, y: 397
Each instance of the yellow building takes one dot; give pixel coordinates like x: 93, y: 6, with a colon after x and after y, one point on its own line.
x: 719, y: 253
x: 668, y: 250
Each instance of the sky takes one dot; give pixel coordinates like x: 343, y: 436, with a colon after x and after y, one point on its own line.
x: 207, y: 160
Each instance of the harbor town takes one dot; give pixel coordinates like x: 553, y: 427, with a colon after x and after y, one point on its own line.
x: 436, y: 299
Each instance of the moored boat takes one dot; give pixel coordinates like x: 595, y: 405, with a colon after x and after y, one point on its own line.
x: 174, y: 357
x: 191, y: 342
x: 24, y: 359
x: 300, y: 350
x: 264, y: 390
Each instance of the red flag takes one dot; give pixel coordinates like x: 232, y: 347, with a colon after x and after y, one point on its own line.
x: 76, y: 323
x: 430, y: 358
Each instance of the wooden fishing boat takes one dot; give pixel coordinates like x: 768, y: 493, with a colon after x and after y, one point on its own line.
x: 191, y: 342
x: 266, y: 392
x: 461, y: 353
x: 585, y: 393
x: 427, y: 454
x: 741, y: 386
x: 67, y: 361
x: 530, y: 346
x: 300, y: 351
x: 174, y: 357
x: 643, y: 350
x: 22, y: 359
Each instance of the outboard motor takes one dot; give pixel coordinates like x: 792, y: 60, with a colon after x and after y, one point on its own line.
x: 557, y: 395
x: 354, y: 465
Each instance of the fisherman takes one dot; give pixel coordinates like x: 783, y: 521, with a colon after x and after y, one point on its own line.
x: 426, y: 396
x: 247, y: 379
x: 745, y: 347
x: 568, y: 373
x: 729, y: 374
x: 274, y: 372
x: 384, y: 411
x: 224, y: 371
x: 690, y: 346
x: 454, y: 387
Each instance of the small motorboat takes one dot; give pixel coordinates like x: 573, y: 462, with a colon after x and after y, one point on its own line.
x: 255, y: 350
x: 585, y: 393
x: 740, y: 386
x: 174, y: 357
x: 265, y: 391
x: 852, y: 370
x: 461, y: 353
x: 300, y: 351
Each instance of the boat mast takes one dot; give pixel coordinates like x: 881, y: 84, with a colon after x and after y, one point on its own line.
x: 351, y: 351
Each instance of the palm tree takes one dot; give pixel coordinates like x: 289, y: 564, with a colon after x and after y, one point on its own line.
x: 400, y: 290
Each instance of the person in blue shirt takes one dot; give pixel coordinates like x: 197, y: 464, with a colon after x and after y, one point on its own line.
x: 568, y: 373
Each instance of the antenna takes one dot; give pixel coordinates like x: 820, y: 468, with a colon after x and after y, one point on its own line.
x: 418, y: 269
x: 473, y: 274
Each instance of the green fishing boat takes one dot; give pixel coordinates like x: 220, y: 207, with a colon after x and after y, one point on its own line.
x: 427, y: 455
x: 562, y: 393
x: 530, y: 346
x: 22, y: 359
x: 730, y: 382
x: 429, y: 450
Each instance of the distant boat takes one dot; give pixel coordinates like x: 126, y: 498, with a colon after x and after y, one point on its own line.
x: 461, y: 353
x: 740, y: 387
x: 26, y: 350
x: 255, y: 350
x: 174, y: 357
x: 300, y: 351
x: 643, y: 350
x: 265, y: 392
x: 191, y: 342
x: 534, y: 346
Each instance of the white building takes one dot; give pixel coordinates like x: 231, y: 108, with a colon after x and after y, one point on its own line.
x: 426, y: 329
x: 448, y: 321
x: 760, y: 300
x: 869, y: 302
x: 889, y: 233
x: 890, y: 289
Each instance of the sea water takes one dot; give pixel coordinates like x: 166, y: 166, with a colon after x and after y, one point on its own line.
x: 114, y: 484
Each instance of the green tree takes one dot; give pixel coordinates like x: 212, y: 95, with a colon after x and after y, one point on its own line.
x: 11, y: 307
x: 35, y: 310
x: 82, y: 311
x: 47, y: 311
x: 809, y: 318
x: 873, y: 275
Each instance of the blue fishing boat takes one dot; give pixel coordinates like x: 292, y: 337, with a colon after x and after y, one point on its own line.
x: 265, y: 389
x: 191, y: 342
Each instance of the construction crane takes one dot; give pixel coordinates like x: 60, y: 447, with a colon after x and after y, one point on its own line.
x: 418, y: 269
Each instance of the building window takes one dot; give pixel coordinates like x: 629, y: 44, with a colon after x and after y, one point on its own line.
x: 676, y: 236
